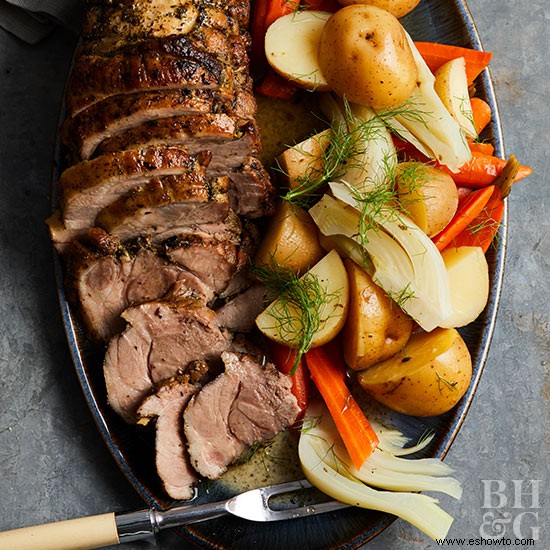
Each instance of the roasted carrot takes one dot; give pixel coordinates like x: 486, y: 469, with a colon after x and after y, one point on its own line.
x: 435, y: 55
x: 327, y: 371
x: 275, y: 86
x: 284, y: 359
x: 468, y: 209
x: 479, y: 147
x: 482, y: 230
x: 482, y: 170
x: 481, y: 113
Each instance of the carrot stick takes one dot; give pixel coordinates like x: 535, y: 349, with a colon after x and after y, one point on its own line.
x: 479, y: 147
x: 328, y: 373
x: 481, y: 113
x: 275, y: 86
x: 436, y: 55
x: 468, y: 209
x: 482, y: 170
x: 482, y: 230
x: 284, y: 359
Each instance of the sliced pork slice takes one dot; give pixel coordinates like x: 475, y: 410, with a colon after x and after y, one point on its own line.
x: 145, y: 18
x: 164, y: 207
x: 172, y: 459
x: 230, y: 140
x: 94, y: 78
x: 250, y: 402
x: 105, y: 277
x: 89, y: 186
x: 229, y: 49
x: 252, y: 193
x: 239, y: 313
x: 161, y: 340
x: 113, y: 115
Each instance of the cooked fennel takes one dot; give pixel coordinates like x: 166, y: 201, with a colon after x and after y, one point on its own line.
x: 428, y: 125
x: 327, y: 465
x: 406, y: 263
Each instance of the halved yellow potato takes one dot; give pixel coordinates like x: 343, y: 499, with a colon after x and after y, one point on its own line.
x: 427, y: 378
x: 399, y: 8
x: 468, y: 274
x: 376, y: 327
x: 291, y: 240
x: 291, y: 44
x: 451, y: 85
x: 427, y: 194
x: 304, y: 160
x: 282, y: 321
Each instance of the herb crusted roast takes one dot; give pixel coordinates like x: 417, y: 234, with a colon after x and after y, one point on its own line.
x: 155, y: 229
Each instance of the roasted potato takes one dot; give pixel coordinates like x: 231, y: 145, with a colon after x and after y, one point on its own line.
x: 399, y: 8
x: 291, y: 48
x: 468, y: 274
x: 291, y: 240
x: 281, y: 321
x: 376, y: 327
x: 304, y: 160
x: 427, y: 378
x: 365, y: 56
x: 451, y: 85
x: 427, y: 194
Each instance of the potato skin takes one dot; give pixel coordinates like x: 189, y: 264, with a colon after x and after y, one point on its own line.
x: 291, y: 240
x: 376, y: 328
x: 428, y: 195
x: 399, y: 8
x: 364, y: 55
x: 417, y: 384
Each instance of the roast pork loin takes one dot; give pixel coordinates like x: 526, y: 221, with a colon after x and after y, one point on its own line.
x: 250, y: 402
x: 162, y: 339
x: 172, y: 459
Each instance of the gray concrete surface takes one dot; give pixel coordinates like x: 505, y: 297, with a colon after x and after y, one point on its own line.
x: 53, y: 463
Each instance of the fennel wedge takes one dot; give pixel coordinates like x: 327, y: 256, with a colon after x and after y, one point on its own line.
x: 406, y: 263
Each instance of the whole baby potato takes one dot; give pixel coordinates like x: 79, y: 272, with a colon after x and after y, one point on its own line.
x: 427, y: 378
x: 365, y: 56
x: 376, y: 327
x: 427, y: 194
x: 399, y: 8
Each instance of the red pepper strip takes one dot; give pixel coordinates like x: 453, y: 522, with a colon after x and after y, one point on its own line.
x: 284, y: 359
x: 327, y: 371
x: 436, y: 55
x: 275, y: 86
x: 468, y: 209
x: 482, y: 230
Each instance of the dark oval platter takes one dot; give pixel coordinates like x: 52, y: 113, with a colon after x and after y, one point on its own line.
x: 443, y: 21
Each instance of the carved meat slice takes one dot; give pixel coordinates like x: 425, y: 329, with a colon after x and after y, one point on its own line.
x: 164, y: 207
x: 162, y: 339
x: 89, y: 186
x: 250, y: 402
x: 172, y: 459
x: 105, y: 277
x: 230, y: 140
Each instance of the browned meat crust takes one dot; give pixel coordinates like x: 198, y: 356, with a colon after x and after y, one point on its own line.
x: 164, y: 207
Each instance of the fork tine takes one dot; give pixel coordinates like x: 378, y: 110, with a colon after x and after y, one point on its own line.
x: 254, y: 505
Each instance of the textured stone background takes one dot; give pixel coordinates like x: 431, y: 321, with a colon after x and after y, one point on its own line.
x: 53, y: 463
